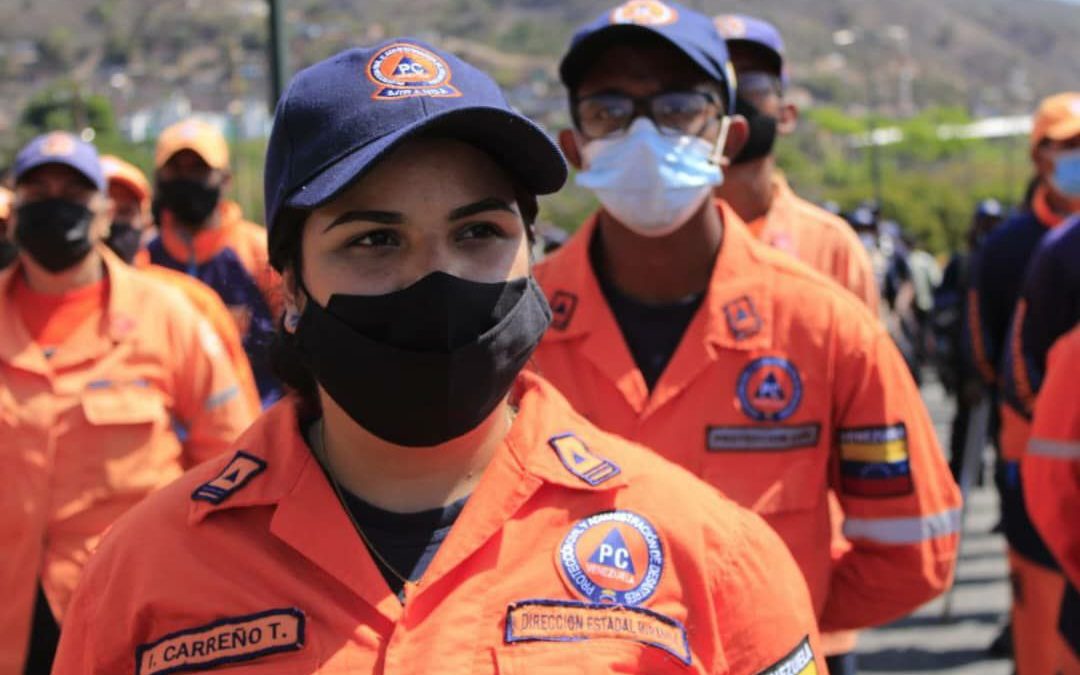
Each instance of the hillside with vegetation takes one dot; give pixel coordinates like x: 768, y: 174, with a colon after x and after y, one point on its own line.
x: 915, y: 63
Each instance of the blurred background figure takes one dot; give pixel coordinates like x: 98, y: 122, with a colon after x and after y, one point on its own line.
x: 131, y: 229
x: 204, y: 235
x: 955, y: 368
x: 8, y: 252
x: 110, y: 387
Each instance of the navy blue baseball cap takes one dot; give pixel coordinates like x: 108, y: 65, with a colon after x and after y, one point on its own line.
x: 690, y: 32
x: 753, y: 31
x: 339, y: 117
x: 60, y: 147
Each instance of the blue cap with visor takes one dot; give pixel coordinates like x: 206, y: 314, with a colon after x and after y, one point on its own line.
x: 339, y: 117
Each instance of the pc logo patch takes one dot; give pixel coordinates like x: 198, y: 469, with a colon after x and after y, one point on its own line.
x: 769, y: 389
x: 613, y: 557
x: 404, y: 70
x: 644, y: 13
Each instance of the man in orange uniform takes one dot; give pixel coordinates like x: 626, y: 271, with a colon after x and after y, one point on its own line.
x: 726, y: 356
x: 130, y: 192
x: 1004, y: 264
x: 757, y: 191
x: 8, y: 252
x: 206, y: 236
x: 110, y: 386
x: 570, y: 550
x: 1051, y: 475
x: 760, y: 195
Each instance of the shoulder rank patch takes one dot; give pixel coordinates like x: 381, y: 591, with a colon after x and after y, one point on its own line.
x: 234, y: 476
x: 224, y: 642
x: 874, y: 461
x: 799, y: 662
x: 582, y: 462
x: 742, y: 318
x: 569, y: 621
x: 614, y: 557
x: 563, y: 305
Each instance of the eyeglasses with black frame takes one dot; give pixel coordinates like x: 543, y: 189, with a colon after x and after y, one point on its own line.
x: 756, y: 85
x: 675, y: 113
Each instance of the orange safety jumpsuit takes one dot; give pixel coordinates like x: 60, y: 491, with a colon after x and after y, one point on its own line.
x: 828, y: 244
x: 782, y: 388
x: 88, y: 432
x: 818, y: 238
x: 1051, y: 476
x: 578, y: 552
x: 210, y: 306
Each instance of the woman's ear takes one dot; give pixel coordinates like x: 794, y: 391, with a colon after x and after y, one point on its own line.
x: 295, y: 299
x: 568, y: 143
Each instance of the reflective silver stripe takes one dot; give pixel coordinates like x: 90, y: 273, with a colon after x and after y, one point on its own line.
x: 903, y: 530
x: 1059, y: 449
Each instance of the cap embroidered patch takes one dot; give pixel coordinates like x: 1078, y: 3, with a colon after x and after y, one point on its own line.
x: 582, y: 462
x: 562, y: 621
x: 644, y: 13
x: 58, y: 144
x: 730, y: 27
x: 403, y: 70
x: 234, y: 476
x: 769, y: 389
x: 613, y: 557
x: 227, y: 641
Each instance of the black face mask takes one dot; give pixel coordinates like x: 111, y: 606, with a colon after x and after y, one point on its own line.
x: 124, y: 240
x: 426, y: 364
x: 191, y: 201
x: 762, y: 136
x: 8, y: 253
x: 55, y: 232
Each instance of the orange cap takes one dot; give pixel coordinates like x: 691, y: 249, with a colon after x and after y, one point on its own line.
x: 193, y: 134
x: 117, y: 170
x: 1057, y: 119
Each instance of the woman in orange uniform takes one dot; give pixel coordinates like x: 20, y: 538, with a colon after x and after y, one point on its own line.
x: 421, y: 505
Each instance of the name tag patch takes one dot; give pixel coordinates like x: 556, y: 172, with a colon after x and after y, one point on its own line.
x: 741, y: 438
x: 568, y: 621
x: 874, y: 462
x: 230, y: 640
x: 799, y: 662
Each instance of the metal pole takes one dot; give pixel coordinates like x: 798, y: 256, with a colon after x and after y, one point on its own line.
x: 871, y: 127
x: 278, y: 51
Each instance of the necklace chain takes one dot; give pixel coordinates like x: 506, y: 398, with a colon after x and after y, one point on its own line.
x: 322, y: 458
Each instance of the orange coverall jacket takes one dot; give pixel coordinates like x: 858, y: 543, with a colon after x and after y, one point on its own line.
x: 1051, y: 466
x: 818, y: 238
x: 211, y: 308
x: 578, y: 552
x: 89, y: 432
x: 782, y: 388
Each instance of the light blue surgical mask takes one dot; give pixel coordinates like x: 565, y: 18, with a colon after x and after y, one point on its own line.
x: 650, y: 182
x: 1066, y: 177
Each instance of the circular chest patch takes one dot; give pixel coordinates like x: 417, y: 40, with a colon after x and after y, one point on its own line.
x: 769, y: 389
x: 613, y: 557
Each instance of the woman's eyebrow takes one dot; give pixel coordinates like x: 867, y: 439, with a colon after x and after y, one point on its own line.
x: 489, y: 204
x: 381, y: 217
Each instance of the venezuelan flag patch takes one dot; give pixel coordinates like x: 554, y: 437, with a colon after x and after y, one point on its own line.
x: 874, y: 462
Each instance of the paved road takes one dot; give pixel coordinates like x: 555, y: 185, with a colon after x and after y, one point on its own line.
x: 923, y: 642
